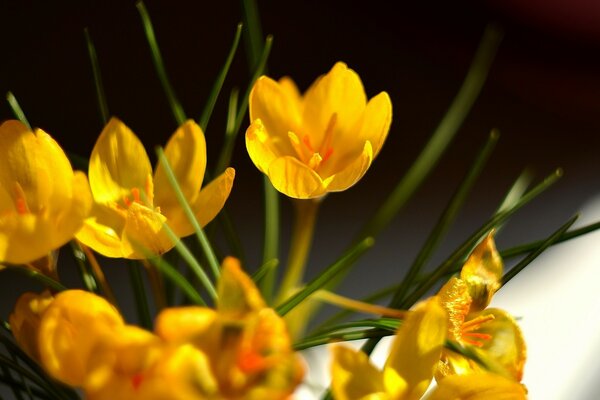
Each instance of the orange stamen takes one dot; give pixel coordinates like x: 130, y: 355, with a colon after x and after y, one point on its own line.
x: 136, y: 380
x: 475, y: 323
x: 251, y: 361
x: 306, y: 141
x: 20, y: 201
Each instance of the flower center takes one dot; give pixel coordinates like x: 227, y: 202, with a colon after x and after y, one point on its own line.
x: 468, y: 330
x: 143, y: 197
x: 307, y: 153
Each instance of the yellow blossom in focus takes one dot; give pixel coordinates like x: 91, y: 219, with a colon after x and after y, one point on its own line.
x: 132, y: 205
x: 322, y: 141
x: 491, y: 333
x: 409, y: 368
x: 25, y: 321
x: 42, y: 201
x: 247, y: 344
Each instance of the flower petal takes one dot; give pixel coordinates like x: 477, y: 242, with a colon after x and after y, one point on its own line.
x: 103, y: 229
x: 118, y: 164
x: 416, y: 350
x: 376, y: 121
x: 143, y: 234
x: 183, y: 324
x: 70, y: 328
x: 277, y: 106
x: 339, y: 92
x: 482, y: 272
x: 295, y: 179
x: 237, y: 293
x: 352, y: 172
x: 25, y: 321
x: 480, y: 386
x: 259, y: 146
x: 186, y: 153
x: 354, y: 377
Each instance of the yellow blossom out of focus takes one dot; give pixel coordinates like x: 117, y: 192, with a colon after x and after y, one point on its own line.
x: 25, y: 321
x: 42, y: 201
x: 132, y: 205
x: 322, y: 141
x: 491, y: 333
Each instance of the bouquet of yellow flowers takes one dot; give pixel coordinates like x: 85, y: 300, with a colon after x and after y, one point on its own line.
x: 212, y: 326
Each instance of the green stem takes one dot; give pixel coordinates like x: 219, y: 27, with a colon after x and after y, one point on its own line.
x: 302, y: 236
x: 17, y: 110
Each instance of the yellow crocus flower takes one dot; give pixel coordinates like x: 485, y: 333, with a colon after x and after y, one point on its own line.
x: 409, y: 368
x: 478, y: 386
x: 25, y: 320
x: 491, y: 333
x: 42, y: 201
x: 247, y: 344
x: 132, y: 206
x: 322, y: 141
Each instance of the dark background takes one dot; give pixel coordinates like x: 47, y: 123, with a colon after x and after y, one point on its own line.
x: 543, y: 94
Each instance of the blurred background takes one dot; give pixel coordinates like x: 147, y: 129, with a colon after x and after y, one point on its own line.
x: 543, y: 94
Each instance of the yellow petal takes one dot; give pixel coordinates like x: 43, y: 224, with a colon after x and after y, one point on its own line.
x: 295, y: 179
x: 103, y: 229
x: 354, y: 377
x: 276, y: 105
x: 454, y: 297
x: 70, y: 328
x: 507, y: 344
x: 376, y: 121
x: 144, y: 234
x: 25, y: 321
x: 352, y: 172
x: 416, y: 350
x: 118, y: 164
x: 207, y: 205
x: 183, y: 324
x: 339, y: 92
x: 480, y: 386
x: 482, y: 272
x: 259, y: 146
x: 238, y: 295
x: 186, y: 153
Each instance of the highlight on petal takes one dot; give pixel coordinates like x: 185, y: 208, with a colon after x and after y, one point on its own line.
x: 118, y: 164
x: 71, y: 327
x: 480, y: 386
x: 353, y: 376
x: 482, y: 272
x: 352, y: 172
x: 186, y: 154
x: 207, y: 205
x: 144, y: 234
x: 25, y: 320
x: 259, y: 146
x: 295, y: 179
x: 102, y: 230
x: 184, y: 324
x: 416, y: 350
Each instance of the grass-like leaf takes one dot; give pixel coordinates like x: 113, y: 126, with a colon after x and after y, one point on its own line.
x: 218, y: 84
x: 100, y: 95
x: 16, y: 109
x: 179, y: 280
x: 254, y: 36
x: 342, y: 264
x: 260, y: 273
x: 230, y: 134
x: 38, y: 276
x: 159, y: 65
x: 139, y: 295
x: 534, y: 254
x: 87, y: 275
x: 443, y: 135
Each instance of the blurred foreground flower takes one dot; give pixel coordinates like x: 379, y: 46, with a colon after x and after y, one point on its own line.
x: 491, y: 333
x: 42, y: 201
x: 132, y: 206
x: 323, y: 141
x: 239, y: 350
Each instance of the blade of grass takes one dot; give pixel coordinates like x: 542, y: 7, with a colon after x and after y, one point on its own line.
x: 100, y: 96
x: 534, y: 254
x: 216, y: 89
x: 253, y: 38
x: 343, y: 263
x: 159, y: 65
x: 447, y: 218
x: 179, y: 280
x: 139, y: 295
x: 87, y: 276
x: 264, y: 269
x: 443, y: 135
x: 343, y: 337
x: 202, y: 239
x: 24, y: 372
x: 517, y: 190
x: 229, y: 142
x: 16, y: 109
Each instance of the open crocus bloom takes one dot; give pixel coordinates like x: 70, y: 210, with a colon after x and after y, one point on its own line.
x: 42, y: 201
x: 491, y: 333
x: 323, y: 141
x: 132, y: 206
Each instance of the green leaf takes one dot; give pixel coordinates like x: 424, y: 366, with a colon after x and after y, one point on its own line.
x: 254, y: 36
x: 38, y: 276
x: 179, y: 280
x: 87, y: 276
x: 342, y: 264
x: 101, y: 97
x: 16, y: 109
x: 139, y: 294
